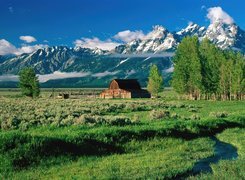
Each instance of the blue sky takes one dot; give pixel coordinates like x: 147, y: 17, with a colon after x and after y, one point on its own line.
x: 62, y: 22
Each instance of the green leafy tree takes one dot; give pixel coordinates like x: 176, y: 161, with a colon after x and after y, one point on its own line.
x: 235, y: 74
x: 195, y: 78
x: 211, y: 62
x: 202, y: 69
x: 187, y: 76
x: 155, y: 83
x: 28, y: 82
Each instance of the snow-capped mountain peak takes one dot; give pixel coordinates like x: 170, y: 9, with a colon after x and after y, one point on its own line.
x: 158, y: 32
x: 158, y: 40
x: 191, y: 30
x: 223, y: 35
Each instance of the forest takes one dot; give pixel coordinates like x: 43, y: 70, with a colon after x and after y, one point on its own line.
x: 203, y: 71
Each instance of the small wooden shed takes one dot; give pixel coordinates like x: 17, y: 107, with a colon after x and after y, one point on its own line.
x: 125, y: 88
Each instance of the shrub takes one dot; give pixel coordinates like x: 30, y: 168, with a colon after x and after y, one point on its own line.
x: 89, y: 119
x: 118, y: 120
x: 132, y: 107
x: 175, y: 116
x: 193, y: 110
x: 68, y: 121
x: 194, y: 117
x: 136, y: 119
x: 180, y: 106
x: 190, y: 106
x: 24, y: 126
x: 10, y: 123
x: 159, y: 114
x: 101, y: 109
x: 219, y: 114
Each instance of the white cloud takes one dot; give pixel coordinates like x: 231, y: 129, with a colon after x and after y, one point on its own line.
x: 61, y: 75
x: 144, y: 55
x: 46, y: 77
x: 123, y: 36
x: 96, y: 43
x: 30, y: 49
x: 157, y: 32
x: 127, y: 35
x: 9, y: 77
x: 7, y: 48
x: 106, y: 73
x: 190, y: 23
x: 203, y: 7
x: 217, y: 13
x: 28, y: 39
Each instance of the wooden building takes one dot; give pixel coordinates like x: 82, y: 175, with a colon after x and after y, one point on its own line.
x: 125, y: 88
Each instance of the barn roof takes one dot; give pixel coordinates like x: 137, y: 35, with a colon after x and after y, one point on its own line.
x: 131, y: 84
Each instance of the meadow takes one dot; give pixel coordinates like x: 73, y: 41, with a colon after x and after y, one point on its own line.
x: 91, y: 138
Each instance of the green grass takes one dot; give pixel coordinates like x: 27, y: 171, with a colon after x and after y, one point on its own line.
x: 54, y: 146
x: 229, y: 169
x: 39, y: 139
x: 162, y: 158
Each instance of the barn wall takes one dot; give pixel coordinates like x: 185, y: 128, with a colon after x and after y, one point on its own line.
x: 120, y: 93
x: 116, y: 93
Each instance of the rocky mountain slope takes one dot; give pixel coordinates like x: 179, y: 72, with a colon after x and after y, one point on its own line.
x: 158, y: 40
x: 130, y: 60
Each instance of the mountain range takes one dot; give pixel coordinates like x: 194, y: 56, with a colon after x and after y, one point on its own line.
x: 225, y: 36
x: 130, y: 60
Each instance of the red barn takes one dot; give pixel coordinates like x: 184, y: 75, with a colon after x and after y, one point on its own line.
x: 125, y: 88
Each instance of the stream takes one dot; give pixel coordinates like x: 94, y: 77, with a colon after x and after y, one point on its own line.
x: 222, y: 151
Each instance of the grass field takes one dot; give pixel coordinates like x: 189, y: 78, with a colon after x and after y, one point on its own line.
x: 89, y: 138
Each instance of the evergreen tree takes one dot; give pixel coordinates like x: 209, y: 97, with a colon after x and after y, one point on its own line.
x: 155, y: 83
x: 28, y: 82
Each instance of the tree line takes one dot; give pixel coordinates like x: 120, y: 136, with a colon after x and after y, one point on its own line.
x: 203, y: 71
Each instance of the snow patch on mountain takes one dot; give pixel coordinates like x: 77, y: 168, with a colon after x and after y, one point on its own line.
x: 146, y: 58
x: 129, y: 73
x: 169, y: 70
x: 123, y: 61
x: 191, y: 30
